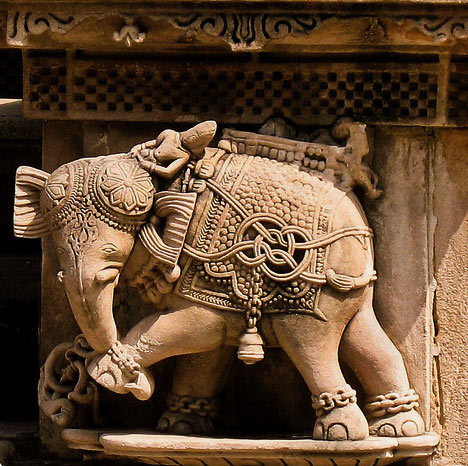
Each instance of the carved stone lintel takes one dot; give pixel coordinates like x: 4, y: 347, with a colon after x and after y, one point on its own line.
x: 245, y: 31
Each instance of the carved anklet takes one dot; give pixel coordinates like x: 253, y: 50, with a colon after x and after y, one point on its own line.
x: 123, y: 358
x: 391, y: 403
x: 186, y: 404
x: 326, y: 401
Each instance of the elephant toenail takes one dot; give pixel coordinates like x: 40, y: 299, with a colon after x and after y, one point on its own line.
x: 409, y: 429
x: 318, y: 432
x: 387, y: 430
x: 163, y: 425
x: 337, y: 432
x: 182, y: 428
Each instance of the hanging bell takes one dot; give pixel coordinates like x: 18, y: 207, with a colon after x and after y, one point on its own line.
x: 250, y: 346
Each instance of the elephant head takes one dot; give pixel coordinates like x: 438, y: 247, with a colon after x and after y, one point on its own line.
x: 95, y: 208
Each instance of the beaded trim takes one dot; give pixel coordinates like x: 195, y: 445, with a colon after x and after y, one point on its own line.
x: 60, y: 216
x: 307, y: 154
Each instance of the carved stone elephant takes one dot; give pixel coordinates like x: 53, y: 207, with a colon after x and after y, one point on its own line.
x: 258, y: 241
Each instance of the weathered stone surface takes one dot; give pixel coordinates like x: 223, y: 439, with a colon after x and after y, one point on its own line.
x: 451, y: 266
x: 403, y: 293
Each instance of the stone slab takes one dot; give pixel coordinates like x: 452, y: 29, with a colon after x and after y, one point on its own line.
x: 153, y: 448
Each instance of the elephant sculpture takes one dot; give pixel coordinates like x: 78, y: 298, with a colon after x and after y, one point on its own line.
x: 258, y: 241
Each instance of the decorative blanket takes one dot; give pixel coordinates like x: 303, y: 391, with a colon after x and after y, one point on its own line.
x: 264, y: 230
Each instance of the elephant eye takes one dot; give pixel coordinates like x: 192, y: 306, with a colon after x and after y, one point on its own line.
x: 110, y: 249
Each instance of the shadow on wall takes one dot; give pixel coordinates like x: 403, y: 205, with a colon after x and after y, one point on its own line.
x: 450, y: 190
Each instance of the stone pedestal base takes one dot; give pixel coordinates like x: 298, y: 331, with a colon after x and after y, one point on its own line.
x: 174, y: 450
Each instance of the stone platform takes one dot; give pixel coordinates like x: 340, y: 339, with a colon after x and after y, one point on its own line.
x: 175, y: 450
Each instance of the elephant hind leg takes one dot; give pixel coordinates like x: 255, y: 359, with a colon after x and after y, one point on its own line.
x: 378, y: 364
x: 312, y: 346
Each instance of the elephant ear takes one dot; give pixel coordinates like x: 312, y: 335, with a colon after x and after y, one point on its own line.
x: 197, y: 138
x: 28, y: 221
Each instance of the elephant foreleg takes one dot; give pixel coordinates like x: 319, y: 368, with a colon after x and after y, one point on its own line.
x: 189, y: 330
x: 193, y: 406
x: 378, y: 364
x: 123, y: 369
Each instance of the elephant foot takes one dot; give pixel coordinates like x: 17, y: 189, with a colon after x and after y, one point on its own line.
x: 118, y: 371
x: 339, y: 417
x: 394, y: 415
x: 185, y: 424
x: 188, y: 415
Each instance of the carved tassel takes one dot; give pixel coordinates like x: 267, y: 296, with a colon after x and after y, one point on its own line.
x: 250, y: 346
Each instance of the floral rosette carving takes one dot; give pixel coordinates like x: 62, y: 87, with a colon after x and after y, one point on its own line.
x: 127, y: 187
x: 121, y: 191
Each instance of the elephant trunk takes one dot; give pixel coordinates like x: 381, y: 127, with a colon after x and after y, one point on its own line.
x: 91, y: 300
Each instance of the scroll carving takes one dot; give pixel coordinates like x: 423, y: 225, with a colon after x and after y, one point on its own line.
x: 246, y: 31
x: 20, y: 25
x: 442, y: 29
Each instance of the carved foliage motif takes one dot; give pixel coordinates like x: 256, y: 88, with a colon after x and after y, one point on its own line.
x: 246, y: 31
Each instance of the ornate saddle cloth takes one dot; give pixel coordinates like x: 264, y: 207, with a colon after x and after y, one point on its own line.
x: 264, y: 230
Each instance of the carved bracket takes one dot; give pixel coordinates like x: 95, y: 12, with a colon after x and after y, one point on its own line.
x: 242, y: 32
